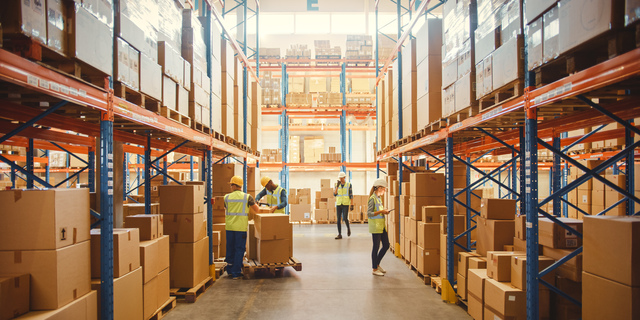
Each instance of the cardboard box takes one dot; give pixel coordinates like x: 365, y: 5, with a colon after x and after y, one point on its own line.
x: 433, y: 213
x: 57, y: 276
x: 606, y: 299
x: 28, y: 18
x: 164, y: 287
x: 605, y: 15
x: 426, y: 184
x: 58, y: 216
x: 519, y: 271
x: 462, y: 286
x: 459, y: 224
x: 493, y: 235
x: 498, y: 209
x: 132, y: 209
x: 499, y: 264
x: 416, y: 204
x: 83, y: 308
x: 150, y: 297
x: 181, y: 199
x: 300, y: 212
x: 534, y: 43
x: 405, y: 206
x: 521, y: 227
x: 147, y: 224
x: 189, y: 263
x: 463, y: 262
x: 150, y: 77
x: 428, y: 235
x: 504, y: 299
x: 272, y: 226
x: 274, y: 251
x: 154, y: 257
x: 456, y: 249
x: 126, y: 252
x: 443, y: 267
x: 14, y: 294
x: 414, y: 255
x: 476, y: 283
x: 477, y: 263
x: 611, y: 248
x: 86, y: 28
x: 511, y: 57
x: 551, y: 34
x: 519, y: 244
x: 554, y: 236
x: 128, y: 300
x: 475, y: 306
x: 428, y: 261
x: 185, y: 228
x: 407, y: 250
x: 411, y: 229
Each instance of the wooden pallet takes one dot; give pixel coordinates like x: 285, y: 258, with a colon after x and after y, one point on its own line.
x: 164, y: 309
x: 175, y: 116
x: 251, y: 266
x: 190, y: 295
x: 322, y: 222
x: 301, y: 222
x: 508, y: 92
x: 461, y: 115
x: 200, y: 127
x: 123, y: 91
x: 220, y: 265
x: 436, y: 282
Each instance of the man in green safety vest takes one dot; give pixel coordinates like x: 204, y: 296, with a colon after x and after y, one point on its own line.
x: 276, y: 195
x: 343, y: 193
x: 237, y: 205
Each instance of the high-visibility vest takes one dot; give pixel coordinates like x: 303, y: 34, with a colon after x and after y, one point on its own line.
x: 376, y: 223
x: 237, y: 215
x: 274, y: 198
x: 343, y: 195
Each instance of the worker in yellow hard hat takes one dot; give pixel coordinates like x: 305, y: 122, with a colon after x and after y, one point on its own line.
x: 237, y: 205
x: 344, y: 194
x: 276, y: 195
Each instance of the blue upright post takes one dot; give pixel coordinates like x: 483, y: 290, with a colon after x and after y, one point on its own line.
x: 531, y: 210
x: 343, y: 116
x: 557, y: 177
x: 30, y: 164
x: 631, y: 172
x: 13, y: 178
x: 92, y: 170
x: 191, y: 176
x: 468, y: 200
x: 147, y: 176
x: 514, y: 176
x: 47, y: 173
x: 209, y: 198
x: 522, y: 171
x: 448, y: 169
x: 245, y: 84
x: 125, y: 169
x: 106, y: 212
x: 399, y: 71
x: 165, y: 179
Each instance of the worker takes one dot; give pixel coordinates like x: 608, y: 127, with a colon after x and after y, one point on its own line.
x: 237, y: 205
x: 343, y: 193
x: 276, y: 195
x: 377, y: 225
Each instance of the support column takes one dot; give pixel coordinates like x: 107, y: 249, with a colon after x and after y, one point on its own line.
x: 631, y: 205
x: 448, y: 169
x: 147, y: 176
x: 118, y: 184
x: 92, y: 170
x: 106, y: 211
x: 30, y: 152
x: 209, y: 199
x: 531, y: 210
x: 556, y: 177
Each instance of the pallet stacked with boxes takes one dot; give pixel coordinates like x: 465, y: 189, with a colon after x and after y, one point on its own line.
x: 428, y: 108
x: 359, y: 47
x: 49, y: 273
x: 227, y: 76
x: 499, y: 49
x: 255, y: 121
x: 271, y: 94
x: 298, y: 52
x: 294, y: 149
x: 300, y: 205
x: 271, y: 155
x: 186, y: 225
x: 392, y: 202
x: 325, y: 202
x: 325, y: 51
x: 458, y: 67
x: 313, y: 148
x: 273, y: 238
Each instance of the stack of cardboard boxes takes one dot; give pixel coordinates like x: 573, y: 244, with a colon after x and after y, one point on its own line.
x: 391, y: 201
x: 48, y: 269
x: 227, y: 76
x: 496, y: 225
x: 300, y: 204
x: 359, y: 47
x: 428, y: 73
x: 459, y: 226
x: 273, y: 238
x: 154, y: 260
x: 294, y: 149
x: 271, y: 155
x: 325, y: 202
x: 359, y: 212
x: 186, y: 225
x: 299, y: 51
x: 313, y: 148
x: 270, y: 89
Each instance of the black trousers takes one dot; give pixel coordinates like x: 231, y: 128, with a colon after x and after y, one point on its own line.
x: 343, y: 213
x: 378, y: 253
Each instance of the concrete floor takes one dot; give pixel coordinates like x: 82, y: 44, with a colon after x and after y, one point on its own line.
x: 336, y: 283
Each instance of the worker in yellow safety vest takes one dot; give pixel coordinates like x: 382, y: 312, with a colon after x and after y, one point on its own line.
x: 276, y: 195
x: 237, y: 205
x: 377, y: 225
x: 343, y: 193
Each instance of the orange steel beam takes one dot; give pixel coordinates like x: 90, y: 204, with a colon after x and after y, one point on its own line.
x: 15, y: 158
x: 48, y: 135
x: 45, y: 145
x: 318, y: 128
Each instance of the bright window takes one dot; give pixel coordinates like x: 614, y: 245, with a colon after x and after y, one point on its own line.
x: 276, y: 24
x: 348, y: 24
x: 313, y: 23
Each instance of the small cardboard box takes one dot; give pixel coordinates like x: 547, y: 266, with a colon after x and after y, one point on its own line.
x: 132, y: 209
x: 189, y: 263
x: 426, y: 184
x: 272, y: 226
x: 493, y: 235
x: 519, y: 271
x: 433, y: 213
x: 498, y: 209
x: 428, y: 261
x: 499, y: 264
x: 14, y: 293
x: 147, y: 224
x: 555, y: 236
x: 459, y: 223
x: 477, y: 263
x: 506, y: 300
x: 521, y: 227
x: 429, y: 235
x: 463, y: 262
x: 181, y: 199
x: 128, y: 302
x: 185, y: 228
x: 126, y: 252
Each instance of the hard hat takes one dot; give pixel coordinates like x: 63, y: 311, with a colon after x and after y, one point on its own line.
x: 341, y: 175
x: 264, y: 181
x: 380, y: 183
x: 237, y: 181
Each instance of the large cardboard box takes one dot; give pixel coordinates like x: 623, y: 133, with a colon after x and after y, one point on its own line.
x: 164, y: 287
x: 476, y: 282
x: 475, y: 306
x: 498, y: 209
x: 582, y: 20
x: 59, y: 218
x: 493, y: 235
x: 555, y: 236
x: 504, y: 299
x: 126, y: 252
x: 571, y: 269
x: 521, y: 227
x: 606, y: 299
x: 274, y: 251
x: 83, y: 308
x: 57, y: 276
x: 519, y: 271
x: 416, y: 204
x: 128, y: 300
x: 463, y: 262
x: 433, y: 213
x: 150, y: 297
x: 428, y: 261
x: 511, y: 58
x: 429, y: 235
x: 154, y: 257
x: 459, y: 224
x: 427, y: 184
x: 612, y: 248
x: 477, y: 263
x: 272, y: 226
x: 147, y: 224
x: 185, y: 228
x: 28, y: 18
x: 189, y: 263
x: 14, y: 294
x: 300, y: 212
x: 499, y: 264
x: 86, y: 28
x: 181, y: 199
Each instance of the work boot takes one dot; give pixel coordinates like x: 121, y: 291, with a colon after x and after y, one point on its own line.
x: 377, y: 272
x: 339, y: 237
x: 349, y: 232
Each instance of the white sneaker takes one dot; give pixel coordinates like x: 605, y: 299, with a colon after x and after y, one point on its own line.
x: 381, y: 270
x: 377, y: 272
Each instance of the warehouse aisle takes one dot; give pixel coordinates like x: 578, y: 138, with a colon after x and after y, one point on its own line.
x: 336, y: 283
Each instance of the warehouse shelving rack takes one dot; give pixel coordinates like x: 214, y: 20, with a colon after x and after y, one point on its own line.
x: 98, y: 118
x: 535, y: 120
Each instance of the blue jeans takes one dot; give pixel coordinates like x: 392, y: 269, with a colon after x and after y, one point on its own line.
x: 376, y: 256
x: 236, y: 246
x: 342, y: 211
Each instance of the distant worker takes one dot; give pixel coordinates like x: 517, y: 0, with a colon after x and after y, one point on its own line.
x: 276, y: 195
x: 377, y: 225
x: 237, y: 205
x: 343, y: 193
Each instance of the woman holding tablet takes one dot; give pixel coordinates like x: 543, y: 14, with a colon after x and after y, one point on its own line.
x: 377, y: 225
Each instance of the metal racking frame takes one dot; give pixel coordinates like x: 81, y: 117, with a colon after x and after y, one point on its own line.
x: 535, y: 120
x: 110, y: 119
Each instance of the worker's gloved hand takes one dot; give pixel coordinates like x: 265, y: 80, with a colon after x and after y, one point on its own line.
x: 273, y: 209
x: 351, y: 208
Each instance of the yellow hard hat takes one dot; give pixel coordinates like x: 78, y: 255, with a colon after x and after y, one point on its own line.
x: 264, y: 181
x: 237, y: 181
